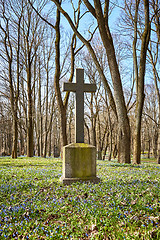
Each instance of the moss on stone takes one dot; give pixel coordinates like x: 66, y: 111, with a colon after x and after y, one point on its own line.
x: 79, y: 160
x: 80, y: 145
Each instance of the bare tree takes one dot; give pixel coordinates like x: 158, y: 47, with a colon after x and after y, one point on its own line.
x: 153, y: 59
x: 137, y: 21
x: 12, y: 51
x: 118, y: 103
x: 32, y: 36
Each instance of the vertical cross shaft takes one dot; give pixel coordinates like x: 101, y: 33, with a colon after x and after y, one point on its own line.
x: 79, y: 88
x: 79, y: 118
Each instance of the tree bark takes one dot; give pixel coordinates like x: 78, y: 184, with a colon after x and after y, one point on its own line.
x: 140, y: 87
x: 46, y: 119
x: 62, y: 109
x: 123, y: 120
x: 30, y: 115
x: 153, y: 61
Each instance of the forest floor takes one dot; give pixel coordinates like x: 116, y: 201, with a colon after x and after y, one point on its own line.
x: 35, y: 205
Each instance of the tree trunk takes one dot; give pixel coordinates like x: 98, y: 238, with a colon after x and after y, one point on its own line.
x: 15, y: 138
x: 158, y: 151
x: 63, y: 127
x: 50, y: 141
x: 140, y: 87
x: 39, y: 115
x: 22, y: 150
x: 14, y: 114
x: 106, y: 145
x: 88, y: 133
x: 46, y: 120
x: 62, y: 108
x: 30, y: 120
x: 15, y: 117
x: 156, y: 140
x: 99, y: 138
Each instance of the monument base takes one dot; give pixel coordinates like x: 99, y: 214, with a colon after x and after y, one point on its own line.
x: 67, y: 181
x: 79, y: 163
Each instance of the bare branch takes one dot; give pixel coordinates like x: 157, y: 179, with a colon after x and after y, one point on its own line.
x: 45, y: 20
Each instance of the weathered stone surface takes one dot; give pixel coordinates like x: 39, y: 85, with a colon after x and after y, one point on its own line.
x: 79, y: 163
x: 79, y: 88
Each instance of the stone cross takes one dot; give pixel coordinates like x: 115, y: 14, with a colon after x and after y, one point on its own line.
x: 79, y: 88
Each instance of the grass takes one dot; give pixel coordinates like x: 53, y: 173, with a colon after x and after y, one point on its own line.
x: 35, y: 205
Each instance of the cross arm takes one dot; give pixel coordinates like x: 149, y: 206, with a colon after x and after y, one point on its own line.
x: 71, y: 87
x: 89, y: 87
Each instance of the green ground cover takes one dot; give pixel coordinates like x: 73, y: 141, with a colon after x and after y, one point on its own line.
x: 35, y: 205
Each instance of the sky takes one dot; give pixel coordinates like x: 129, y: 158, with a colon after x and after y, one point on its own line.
x: 87, y: 19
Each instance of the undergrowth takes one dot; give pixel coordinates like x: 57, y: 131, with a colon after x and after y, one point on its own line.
x: 35, y: 205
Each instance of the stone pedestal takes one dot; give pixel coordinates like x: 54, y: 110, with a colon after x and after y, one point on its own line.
x: 79, y: 163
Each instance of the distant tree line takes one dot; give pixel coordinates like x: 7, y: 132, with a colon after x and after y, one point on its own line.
x: 39, y: 50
